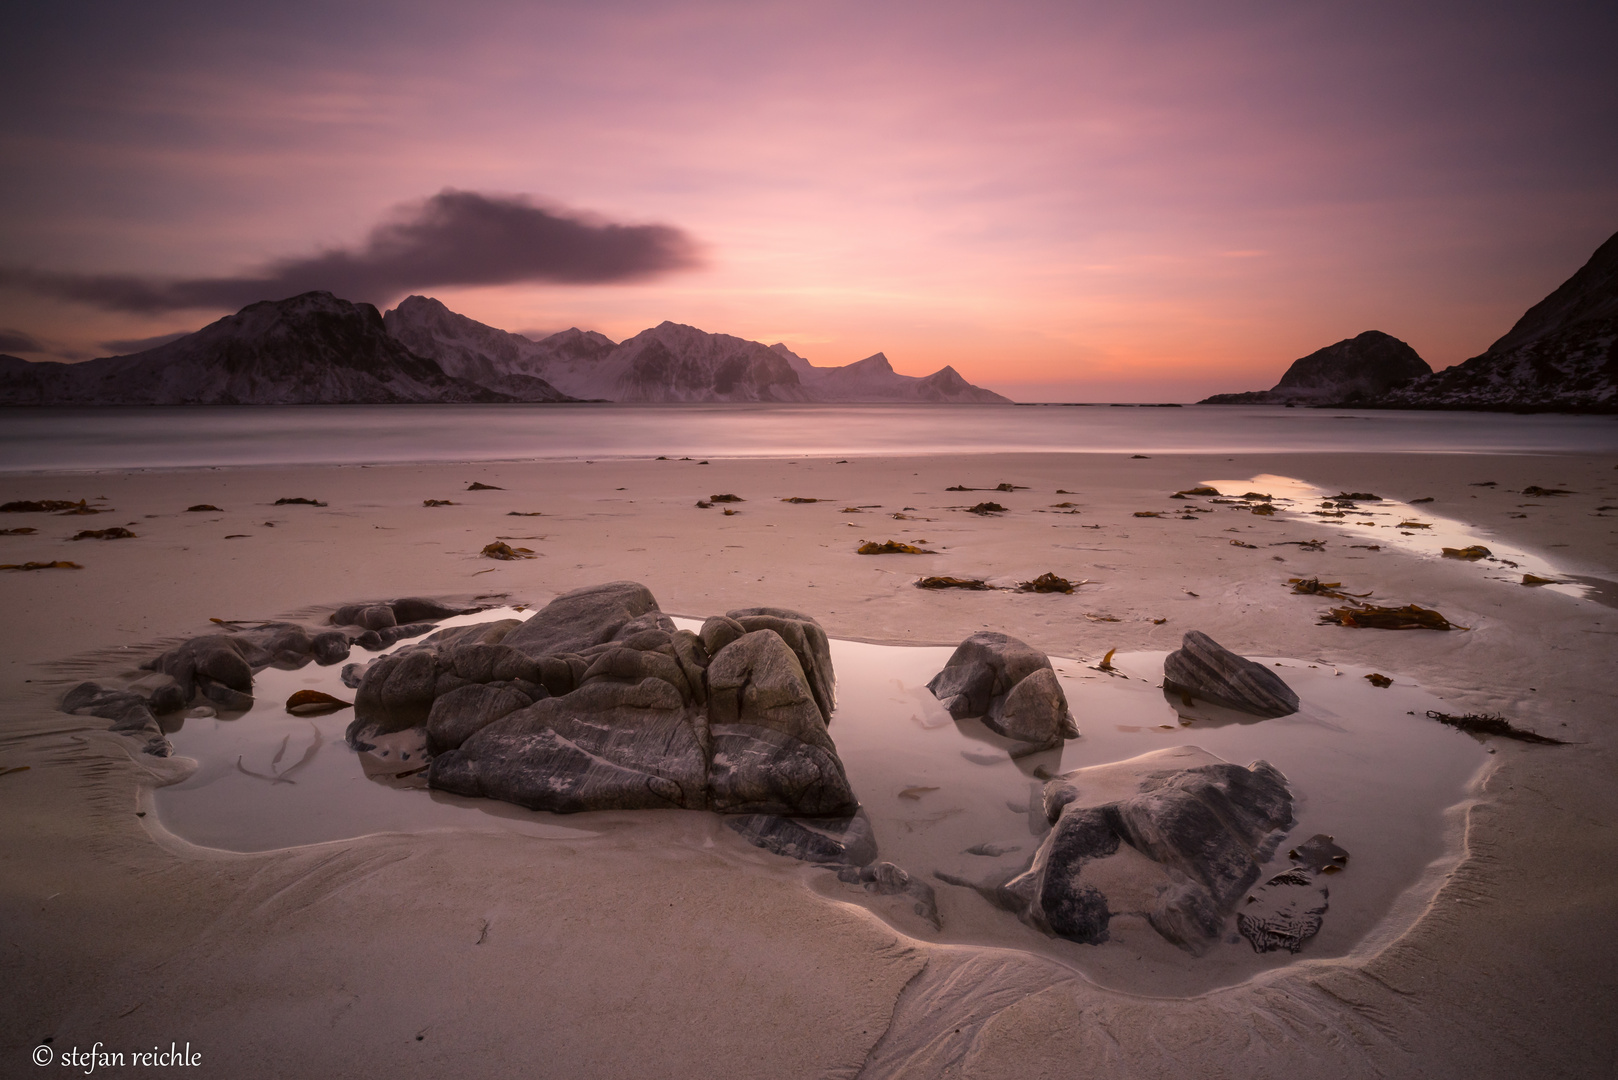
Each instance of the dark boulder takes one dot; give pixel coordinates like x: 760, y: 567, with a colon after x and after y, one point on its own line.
x: 463, y: 712
x: 1176, y: 836
x: 771, y: 749
x: 806, y: 639
x: 606, y: 746
x: 1284, y: 912
x: 1202, y: 668
x: 582, y: 618
x: 1008, y: 683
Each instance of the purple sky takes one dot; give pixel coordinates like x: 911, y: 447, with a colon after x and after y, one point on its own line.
x: 1065, y: 201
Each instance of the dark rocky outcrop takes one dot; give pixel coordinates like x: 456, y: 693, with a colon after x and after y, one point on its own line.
x: 1354, y: 370
x: 1561, y: 356
x: 312, y: 349
x: 1201, y: 668
x: 219, y: 667
x: 1008, y: 683
x: 1176, y: 836
x: 598, y: 702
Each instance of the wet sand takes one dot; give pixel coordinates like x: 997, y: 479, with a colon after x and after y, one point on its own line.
x: 663, y: 944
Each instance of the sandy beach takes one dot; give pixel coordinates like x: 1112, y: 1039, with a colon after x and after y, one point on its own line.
x: 662, y: 944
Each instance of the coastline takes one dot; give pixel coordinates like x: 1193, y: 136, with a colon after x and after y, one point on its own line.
x: 626, y: 950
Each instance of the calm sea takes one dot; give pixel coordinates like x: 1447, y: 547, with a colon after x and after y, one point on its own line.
x: 58, y: 440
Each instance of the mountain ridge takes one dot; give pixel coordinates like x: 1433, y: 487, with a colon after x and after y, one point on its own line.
x: 316, y: 348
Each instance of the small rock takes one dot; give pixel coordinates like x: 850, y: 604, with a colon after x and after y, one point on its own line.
x: 1202, y: 668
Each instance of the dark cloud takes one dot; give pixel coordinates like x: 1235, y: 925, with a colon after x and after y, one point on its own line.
x: 453, y: 238
x: 125, y: 346
x: 18, y: 341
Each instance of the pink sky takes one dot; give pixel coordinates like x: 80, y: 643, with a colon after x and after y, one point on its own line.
x: 1064, y: 201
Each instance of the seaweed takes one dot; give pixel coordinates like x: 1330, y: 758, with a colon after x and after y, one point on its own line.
x: 1358, y: 496
x: 26, y: 530
x: 314, y: 703
x: 1243, y: 544
x: 725, y: 498
x: 438, y: 502
x: 1470, y: 554
x: 59, y: 564
x: 203, y: 508
x: 1376, y: 617
x: 1201, y: 489
x: 117, y: 532
x: 1535, y: 579
x: 1534, y: 491
x: 299, y: 502
x: 1264, y: 509
x: 952, y: 583
x: 891, y: 547
x: 1147, y: 513
x: 1379, y: 680
x: 1332, y: 590
x: 478, y: 485
x: 1048, y: 583
x: 987, y: 508
x: 1485, y: 724
x: 502, y: 550
x: 796, y: 499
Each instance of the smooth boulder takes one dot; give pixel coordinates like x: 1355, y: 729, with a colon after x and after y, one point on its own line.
x: 1176, y: 836
x: 606, y: 746
x: 1010, y: 685
x: 1203, y: 668
x: 583, y: 618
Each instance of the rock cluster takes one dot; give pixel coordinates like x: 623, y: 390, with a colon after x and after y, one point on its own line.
x: 597, y: 702
x: 1008, y: 683
x: 1176, y: 836
x: 220, y: 667
x: 1201, y: 668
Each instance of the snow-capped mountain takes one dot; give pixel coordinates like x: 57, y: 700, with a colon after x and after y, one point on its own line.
x: 670, y: 362
x: 313, y: 349
x: 317, y: 349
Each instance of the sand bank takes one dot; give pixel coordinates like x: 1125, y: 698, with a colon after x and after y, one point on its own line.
x: 657, y: 945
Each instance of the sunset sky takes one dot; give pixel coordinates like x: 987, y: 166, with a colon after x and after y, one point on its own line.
x: 1065, y: 201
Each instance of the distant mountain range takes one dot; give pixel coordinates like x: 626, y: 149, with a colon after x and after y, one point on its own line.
x: 318, y: 349
x: 1561, y: 356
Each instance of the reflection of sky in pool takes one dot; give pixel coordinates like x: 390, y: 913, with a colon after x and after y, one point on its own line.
x: 1378, y: 522
x: 1365, y: 765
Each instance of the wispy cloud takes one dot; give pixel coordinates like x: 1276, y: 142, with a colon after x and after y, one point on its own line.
x: 125, y: 346
x: 20, y: 341
x: 453, y: 238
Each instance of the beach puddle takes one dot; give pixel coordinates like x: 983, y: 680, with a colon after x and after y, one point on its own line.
x: 1364, y: 763
x: 1409, y: 527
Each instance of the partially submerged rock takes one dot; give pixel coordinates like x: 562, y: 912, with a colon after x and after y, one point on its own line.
x: 1176, y: 836
x: 1203, y: 669
x: 1284, y: 912
x: 1008, y: 683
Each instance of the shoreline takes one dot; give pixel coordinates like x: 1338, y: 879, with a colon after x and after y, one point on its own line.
x: 1455, y: 993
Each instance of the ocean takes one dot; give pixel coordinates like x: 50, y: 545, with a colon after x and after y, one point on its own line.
x: 86, y: 439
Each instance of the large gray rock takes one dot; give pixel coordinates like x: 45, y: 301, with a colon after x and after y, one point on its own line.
x: 1177, y: 836
x: 462, y: 713
x: 1008, y: 683
x: 582, y: 618
x: 806, y: 639
x: 771, y: 751
x: 606, y: 746
x: 1202, y: 668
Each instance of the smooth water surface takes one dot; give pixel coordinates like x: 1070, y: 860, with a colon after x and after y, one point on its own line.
x: 58, y: 440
